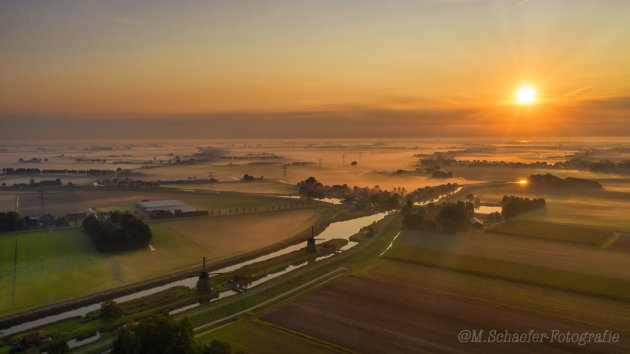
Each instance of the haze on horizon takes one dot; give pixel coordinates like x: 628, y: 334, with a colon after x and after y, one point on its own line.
x: 158, y: 69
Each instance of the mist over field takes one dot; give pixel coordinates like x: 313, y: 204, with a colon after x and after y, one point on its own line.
x: 295, y: 176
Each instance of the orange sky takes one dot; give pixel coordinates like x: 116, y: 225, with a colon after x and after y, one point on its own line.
x: 348, y: 59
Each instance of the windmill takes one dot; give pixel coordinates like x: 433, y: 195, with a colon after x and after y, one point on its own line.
x: 203, y: 284
x: 310, y: 243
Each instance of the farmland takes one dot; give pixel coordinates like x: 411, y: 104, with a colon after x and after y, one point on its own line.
x: 367, y: 315
x: 516, y: 249
x: 550, y: 231
x: 60, y: 265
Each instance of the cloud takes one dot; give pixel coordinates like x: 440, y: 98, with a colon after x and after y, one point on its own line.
x: 577, y: 91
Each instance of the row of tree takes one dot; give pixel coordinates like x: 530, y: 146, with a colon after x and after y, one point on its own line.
x: 549, y: 181
x: 117, y: 231
x: 513, y: 205
x: 448, y: 217
x: 12, y: 221
x: 374, y: 197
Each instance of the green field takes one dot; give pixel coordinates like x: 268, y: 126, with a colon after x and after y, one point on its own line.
x: 592, y: 284
x: 551, y: 231
x: 61, y: 265
x: 256, y: 337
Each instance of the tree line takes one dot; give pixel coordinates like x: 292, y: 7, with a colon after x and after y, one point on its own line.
x: 12, y: 221
x: 162, y: 334
x: 512, y: 206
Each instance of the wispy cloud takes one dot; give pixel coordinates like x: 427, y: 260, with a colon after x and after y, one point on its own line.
x: 577, y: 91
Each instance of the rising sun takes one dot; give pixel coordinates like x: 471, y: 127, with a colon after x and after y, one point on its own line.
x: 525, y: 95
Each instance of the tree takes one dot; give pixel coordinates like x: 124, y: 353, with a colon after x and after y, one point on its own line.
x: 407, y: 207
x: 56, y: 346
x: 62, y: 221
x: 126, y: 342
x: 155, y: 334
x: 110, y: 310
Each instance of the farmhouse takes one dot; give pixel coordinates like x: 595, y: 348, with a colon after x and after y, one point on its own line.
x: 166, y: 205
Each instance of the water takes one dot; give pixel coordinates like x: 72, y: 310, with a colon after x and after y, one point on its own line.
x: 335, y: 201
x: 74, y: 343
x: 486, y: 209
x: 438, y: 198
x: 339, y: 230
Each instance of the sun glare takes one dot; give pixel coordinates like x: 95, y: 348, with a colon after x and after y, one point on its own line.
x: 526, y: 95
x: 523, y: 181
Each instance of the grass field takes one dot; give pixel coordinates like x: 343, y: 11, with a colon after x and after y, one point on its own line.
x: 587, y: 283
x: 60, y: 265
x: 257, y: 337
x: 560, y: 255
x: 551, y: 231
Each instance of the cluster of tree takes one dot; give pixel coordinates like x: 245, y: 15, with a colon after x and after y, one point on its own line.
x: 448, y: 217
x: 110, y: 310
x: 442, y: 174
x: 56, y: 172
x: 80, y: 159
x: 556, y: 183
x: 165, y: 214
x: 311, y: 188
x: 128, y: 182
x: 12, y: 221
x: 602, y: 166
x: 248, y: 178
x: 162, y: 334
x: 471, y: 150
x: 375, y: 197
x: 117, y: 231
x: 451, y: 162
x: 513, y: 205
x: 32, y: 159
x: 189, y: 180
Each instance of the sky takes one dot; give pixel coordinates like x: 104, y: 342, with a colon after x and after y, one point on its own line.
x: 319, y: 68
